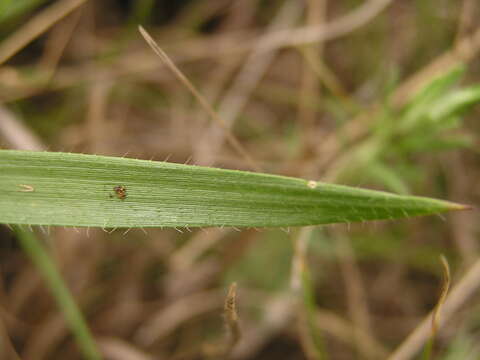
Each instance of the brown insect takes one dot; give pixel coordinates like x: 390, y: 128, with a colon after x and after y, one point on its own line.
x: 120, y: 192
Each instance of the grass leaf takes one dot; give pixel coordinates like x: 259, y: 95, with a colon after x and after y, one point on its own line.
x: 46, y: 188
x: 455, y: 103
x: 73, y: 316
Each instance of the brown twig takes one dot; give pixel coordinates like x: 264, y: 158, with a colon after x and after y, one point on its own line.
x: 328, y: 31
x: 16, y: 133
x: 36, y: 26
x: 237, y: 96
x: 299, y: 267
x: 355, y: 288
x: 117, y: 349
x: 443, y: 294
x: 309, y: 82
x: 466, y: 288
x: 57, y: 41
x: 200, y: 98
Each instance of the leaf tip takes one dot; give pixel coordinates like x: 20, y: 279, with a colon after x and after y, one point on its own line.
x: 460, y: 207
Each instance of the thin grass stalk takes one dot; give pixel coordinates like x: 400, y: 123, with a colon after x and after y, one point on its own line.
x: 73, y: 316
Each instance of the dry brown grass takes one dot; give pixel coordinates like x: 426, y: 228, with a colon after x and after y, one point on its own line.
x: 298, y: 101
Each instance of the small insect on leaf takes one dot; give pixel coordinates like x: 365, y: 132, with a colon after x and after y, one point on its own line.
x: 120, y: 192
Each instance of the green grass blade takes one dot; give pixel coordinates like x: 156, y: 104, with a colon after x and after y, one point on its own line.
x: 45, y: 188
x: 455, y: 103
x: 425, y: 99
x: 310, y: 308
x: 73, y: 316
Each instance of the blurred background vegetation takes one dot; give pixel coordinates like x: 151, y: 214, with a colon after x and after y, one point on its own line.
x: 378, y: 94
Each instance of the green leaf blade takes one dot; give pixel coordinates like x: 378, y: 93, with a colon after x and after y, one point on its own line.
x: 45, y: 188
